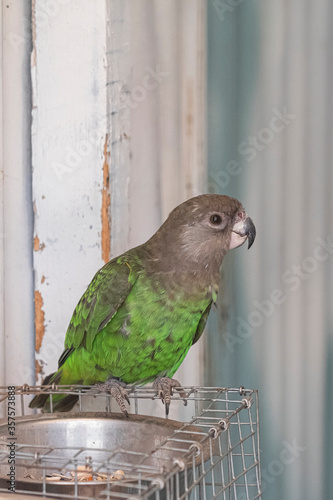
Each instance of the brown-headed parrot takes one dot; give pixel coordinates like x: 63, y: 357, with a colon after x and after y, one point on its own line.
x: 143, y: 310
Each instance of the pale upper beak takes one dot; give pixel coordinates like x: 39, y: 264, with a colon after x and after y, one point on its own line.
x: 243, y: 230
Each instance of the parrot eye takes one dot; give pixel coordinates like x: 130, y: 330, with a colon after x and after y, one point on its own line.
x: 215, y: 219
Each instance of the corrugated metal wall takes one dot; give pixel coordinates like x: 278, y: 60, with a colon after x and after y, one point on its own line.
x: 269, y: 112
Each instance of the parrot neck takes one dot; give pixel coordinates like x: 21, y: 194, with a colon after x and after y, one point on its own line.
x: 199, y: 268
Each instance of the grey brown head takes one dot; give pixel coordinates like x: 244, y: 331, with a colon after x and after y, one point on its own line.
x: 203, y: 229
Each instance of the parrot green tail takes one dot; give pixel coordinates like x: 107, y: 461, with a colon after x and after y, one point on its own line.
x: 59, y: 403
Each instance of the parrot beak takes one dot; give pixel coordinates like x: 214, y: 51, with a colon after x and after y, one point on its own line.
x: 250, y: 230
x: 242, y: 230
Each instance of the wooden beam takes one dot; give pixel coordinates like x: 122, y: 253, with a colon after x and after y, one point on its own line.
x: 70, y: 139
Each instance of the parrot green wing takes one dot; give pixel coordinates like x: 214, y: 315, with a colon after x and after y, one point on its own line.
x: 106, y: 293
x: 202, y: 323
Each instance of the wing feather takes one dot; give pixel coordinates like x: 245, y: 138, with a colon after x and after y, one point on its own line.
x: 202, y: 323
x: 98, y: 305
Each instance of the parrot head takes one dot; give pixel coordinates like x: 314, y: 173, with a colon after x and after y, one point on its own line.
x: 204, y: 228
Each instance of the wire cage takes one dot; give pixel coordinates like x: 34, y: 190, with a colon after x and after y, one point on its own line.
x: 85, y: 455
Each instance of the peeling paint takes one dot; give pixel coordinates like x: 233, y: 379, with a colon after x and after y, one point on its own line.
x: 43, y: 279
x: 38, y: 369
x: 106, y: 204
x: 36, y: 243
x: 39, y: 320
x: 38, y: 247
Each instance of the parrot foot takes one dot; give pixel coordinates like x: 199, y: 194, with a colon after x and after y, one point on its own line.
x: 164, y: 387
x: 117, y: 390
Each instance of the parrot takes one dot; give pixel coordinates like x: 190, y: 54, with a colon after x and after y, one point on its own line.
x: 144, y: 309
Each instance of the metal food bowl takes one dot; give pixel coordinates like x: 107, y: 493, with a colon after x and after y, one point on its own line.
x: 143, y: 447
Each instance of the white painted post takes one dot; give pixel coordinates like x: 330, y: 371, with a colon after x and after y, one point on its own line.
x: 70, y: 164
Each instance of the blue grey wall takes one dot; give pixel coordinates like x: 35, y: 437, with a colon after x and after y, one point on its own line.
x: 269, y: 144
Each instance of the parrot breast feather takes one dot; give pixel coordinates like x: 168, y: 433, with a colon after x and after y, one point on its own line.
x: 106, y: 293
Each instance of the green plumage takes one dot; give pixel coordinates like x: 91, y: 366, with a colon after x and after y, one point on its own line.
x: 128, y: 326
x: 143, y: 311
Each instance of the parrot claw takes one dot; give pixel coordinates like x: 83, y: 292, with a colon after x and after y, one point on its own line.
x: 117, y: 390
x: 164, y: 387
